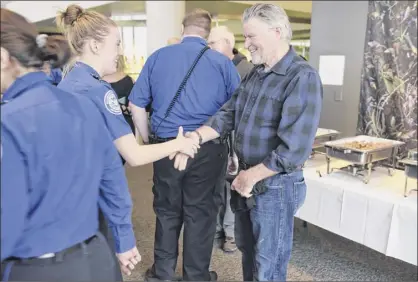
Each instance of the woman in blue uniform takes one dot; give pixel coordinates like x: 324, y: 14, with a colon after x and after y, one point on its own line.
x: 95, y: 41
x: 58, y: 163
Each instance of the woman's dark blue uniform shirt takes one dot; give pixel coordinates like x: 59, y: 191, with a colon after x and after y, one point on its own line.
x: 58, y: 163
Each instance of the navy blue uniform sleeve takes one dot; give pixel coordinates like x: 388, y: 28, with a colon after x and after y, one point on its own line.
x: 232, y: 78
x: 108, y: 104
x: 115, y: 200
x: 140, y: 94
x: 14, y: 194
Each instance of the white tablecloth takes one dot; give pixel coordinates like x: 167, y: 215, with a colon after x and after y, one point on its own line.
x: 374, y: 214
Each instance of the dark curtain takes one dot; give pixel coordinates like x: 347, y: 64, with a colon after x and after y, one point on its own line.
x: 388, y: 97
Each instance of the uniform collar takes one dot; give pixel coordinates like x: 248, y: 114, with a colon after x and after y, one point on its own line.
x: 194, y: 39
x: 89, y: 69
x: 283, y: 65
x: 24, y: 82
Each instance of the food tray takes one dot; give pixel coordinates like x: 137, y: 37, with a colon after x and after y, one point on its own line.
x: 411, y: 167
x: 336, y: 149
x: 324, y: 135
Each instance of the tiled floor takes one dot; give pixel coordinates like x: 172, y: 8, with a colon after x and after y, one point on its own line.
x: 317, y: 254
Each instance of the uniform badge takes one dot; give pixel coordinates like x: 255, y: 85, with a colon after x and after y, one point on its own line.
x: 111, y: 103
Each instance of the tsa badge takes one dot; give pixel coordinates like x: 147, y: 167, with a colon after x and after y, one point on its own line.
x: 111, y: 103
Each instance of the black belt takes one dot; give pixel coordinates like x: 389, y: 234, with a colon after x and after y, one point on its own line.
x: 58, y: 256
x: 245, y: 166
x: 157, y: 140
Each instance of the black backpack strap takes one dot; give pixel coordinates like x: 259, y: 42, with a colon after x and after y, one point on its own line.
x: 182, y: 85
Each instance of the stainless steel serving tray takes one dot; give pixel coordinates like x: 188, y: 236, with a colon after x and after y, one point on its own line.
x: 413, y: 155
x: 323, y: 135
x: 411, y: 167
x: 336, y: 149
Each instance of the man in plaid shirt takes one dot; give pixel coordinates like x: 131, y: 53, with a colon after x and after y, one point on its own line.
x: 275, y: 114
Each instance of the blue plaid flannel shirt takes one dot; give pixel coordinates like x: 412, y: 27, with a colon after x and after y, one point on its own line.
x: 275, y: 114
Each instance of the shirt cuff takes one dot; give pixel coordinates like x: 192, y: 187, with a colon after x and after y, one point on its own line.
x: 122, y: 131
x: 214, y: 124
x: 272, y: 163
x: 124, y: 238
x: 139, y: 103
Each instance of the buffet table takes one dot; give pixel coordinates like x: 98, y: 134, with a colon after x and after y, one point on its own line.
x: 376, y: 214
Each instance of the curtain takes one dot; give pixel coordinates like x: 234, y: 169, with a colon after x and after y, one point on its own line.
x: 388, y: 97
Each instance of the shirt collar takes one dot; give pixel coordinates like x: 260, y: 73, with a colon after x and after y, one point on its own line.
x: 195, y: 39
x: 283, y: 65
x: 24, y: 82
x: 87, y: 68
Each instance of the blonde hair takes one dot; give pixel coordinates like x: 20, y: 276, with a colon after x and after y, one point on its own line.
x: 69, y: 66
x: 79, y: 25
x: 121, y: 64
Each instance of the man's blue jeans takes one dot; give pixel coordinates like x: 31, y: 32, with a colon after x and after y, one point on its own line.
x: 264, y: 235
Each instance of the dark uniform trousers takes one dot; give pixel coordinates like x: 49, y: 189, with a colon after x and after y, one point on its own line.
x: 191, y: 197
x: 91, y: 260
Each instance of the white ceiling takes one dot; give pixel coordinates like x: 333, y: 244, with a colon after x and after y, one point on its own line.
x: 300, y: 6
x: 229, y: 12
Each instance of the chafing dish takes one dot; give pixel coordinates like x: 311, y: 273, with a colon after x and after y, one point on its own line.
x: 323, y: 135
x: 411, y: 169
x: 413, y: 155
x: 382, y: 149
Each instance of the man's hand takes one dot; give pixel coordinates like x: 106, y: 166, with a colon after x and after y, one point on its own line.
x: 180, y: 161
x: 244, y: 183
x: 180, y: 158
x: 190, y: 146
x: 128, y: 260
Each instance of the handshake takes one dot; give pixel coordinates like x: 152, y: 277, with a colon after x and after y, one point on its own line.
x: 188, y: 145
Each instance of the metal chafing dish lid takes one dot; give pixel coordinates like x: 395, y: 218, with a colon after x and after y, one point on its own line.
x: 325, y: 131
x: 412, y: 155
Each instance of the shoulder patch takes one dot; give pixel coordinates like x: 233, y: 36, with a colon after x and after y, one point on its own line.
x: 111, y: 103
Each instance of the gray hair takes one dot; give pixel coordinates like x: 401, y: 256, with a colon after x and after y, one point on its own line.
x: 224, y: 32
x: 272, y: 15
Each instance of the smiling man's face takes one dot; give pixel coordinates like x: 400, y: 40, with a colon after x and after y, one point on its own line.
x: 261, y: 40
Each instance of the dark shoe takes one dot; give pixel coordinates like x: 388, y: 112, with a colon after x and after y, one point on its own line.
x: 229, y: 245
x: 150, y: 277
x: 213, y: 276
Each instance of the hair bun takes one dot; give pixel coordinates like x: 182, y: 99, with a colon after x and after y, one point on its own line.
x: 71, y: 14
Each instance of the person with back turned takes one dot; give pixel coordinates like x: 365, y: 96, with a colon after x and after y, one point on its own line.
x: 275, y: 115
x: 192, y: 197
x: 50, y: 190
